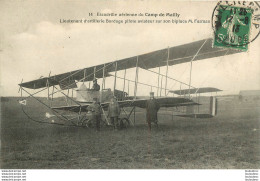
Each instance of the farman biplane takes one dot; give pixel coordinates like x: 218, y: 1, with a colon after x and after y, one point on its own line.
x: 73, y: 111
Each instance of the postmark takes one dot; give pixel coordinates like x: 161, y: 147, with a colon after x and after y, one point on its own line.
x: 235, y: 24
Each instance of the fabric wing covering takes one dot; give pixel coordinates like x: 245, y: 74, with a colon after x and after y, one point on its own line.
x: 163, y: 102
x: 194, y: 91
x: 177, y: 55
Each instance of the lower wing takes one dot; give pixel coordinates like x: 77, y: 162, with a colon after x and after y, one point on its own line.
x: 163, y: 102
x: 73, y: 108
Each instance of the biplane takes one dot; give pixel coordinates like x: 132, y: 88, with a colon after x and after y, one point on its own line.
x: 76, y: 82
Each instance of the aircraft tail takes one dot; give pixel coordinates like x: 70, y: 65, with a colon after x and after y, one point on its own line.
x: 208, y: 111
x: 213, y: 106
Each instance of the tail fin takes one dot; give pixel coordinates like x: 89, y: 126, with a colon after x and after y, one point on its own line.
x: 213, y: 106
x: 208, y: 111
x: 190, y: 110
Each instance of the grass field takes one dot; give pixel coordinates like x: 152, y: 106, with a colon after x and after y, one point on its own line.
x: 229, y: 140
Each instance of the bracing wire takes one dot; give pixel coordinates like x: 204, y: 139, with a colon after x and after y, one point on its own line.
x: 44, y: 122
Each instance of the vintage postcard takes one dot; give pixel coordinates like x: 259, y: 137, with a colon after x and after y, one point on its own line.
x: 129, y: 85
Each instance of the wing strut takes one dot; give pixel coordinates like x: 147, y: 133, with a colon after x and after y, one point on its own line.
x: 95, y: 72
x: 136, y: 77
x: 103, y: 80
x: 158, y: 82
x: 115, y: 78
x: 166, y: 75
x: 161, y: 87
x: 124, y: 85
x: 128, y: 82
x: 48, y: 85
x: 191, y: 63
x: 136, y: 81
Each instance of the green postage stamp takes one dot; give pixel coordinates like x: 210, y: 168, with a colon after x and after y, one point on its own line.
x: 232, y: 27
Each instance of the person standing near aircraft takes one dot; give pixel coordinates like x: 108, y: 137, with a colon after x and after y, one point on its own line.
x: 95, y: 110
x: 95, y: 86
x: 114, y: 112
x: 152, y: 107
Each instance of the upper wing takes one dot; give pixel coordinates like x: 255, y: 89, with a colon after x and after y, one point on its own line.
x: 65, y: 80
x: 177, y: 55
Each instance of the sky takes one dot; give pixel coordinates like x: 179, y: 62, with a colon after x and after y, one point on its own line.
x: 34, y: 43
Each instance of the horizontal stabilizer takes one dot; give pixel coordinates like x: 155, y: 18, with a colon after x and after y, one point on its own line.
x: 196, y: 90
x: 195, y: 115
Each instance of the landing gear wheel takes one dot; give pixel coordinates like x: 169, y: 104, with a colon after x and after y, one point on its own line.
x: 124, y: 123
x: 87, y: 123
x: 103, y: 123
